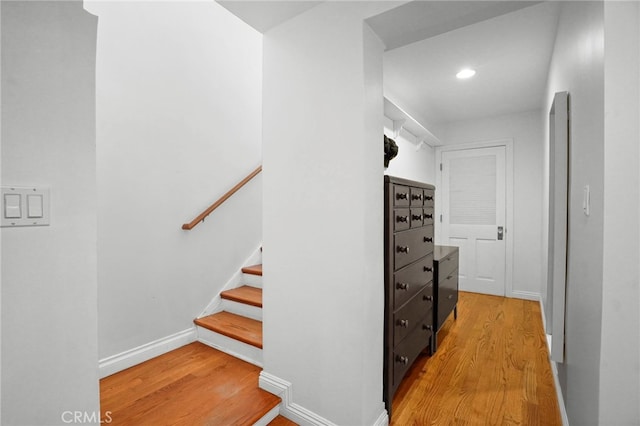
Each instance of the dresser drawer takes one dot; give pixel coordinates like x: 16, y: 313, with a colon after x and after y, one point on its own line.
x: 447, y: 265
x: 428, y: 197
x: 408, y: 350
x: 417, y: 196
x: 411, y: 245
x: 416, y: 311
x: 402, y: 219
x: 401, y: 196
x: 416, y: 217
x: 411, y: 279
x: 427, y: 216
x: 447, y: 296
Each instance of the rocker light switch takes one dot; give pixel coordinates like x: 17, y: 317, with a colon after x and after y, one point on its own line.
x: 34, y: 206
x: 12, y: 206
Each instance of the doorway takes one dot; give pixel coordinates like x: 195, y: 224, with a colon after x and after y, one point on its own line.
x: 474, y: 187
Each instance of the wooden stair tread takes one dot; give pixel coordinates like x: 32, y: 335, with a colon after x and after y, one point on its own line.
x: 253, y: 270
x: 245, y: 294
x: 237, y: 327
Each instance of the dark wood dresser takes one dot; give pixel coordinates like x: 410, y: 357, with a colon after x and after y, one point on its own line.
x: 445, y: 277
x: 409, y: 295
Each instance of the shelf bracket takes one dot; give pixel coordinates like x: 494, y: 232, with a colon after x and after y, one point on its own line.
x: 397, y: 127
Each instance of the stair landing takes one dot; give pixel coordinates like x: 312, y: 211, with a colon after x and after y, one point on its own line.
x: 192, y: 385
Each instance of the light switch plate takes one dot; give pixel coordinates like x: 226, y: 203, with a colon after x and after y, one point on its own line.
x: 24, y: 206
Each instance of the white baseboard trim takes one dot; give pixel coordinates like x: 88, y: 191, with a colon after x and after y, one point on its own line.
x: 554, y: 369
x: 556, y: 381
x: 544, y: 317
x: 297, y: 413
x: 383, y: 419
x: 525, y: 295
x: 118, y: 362
x: 290, y: 409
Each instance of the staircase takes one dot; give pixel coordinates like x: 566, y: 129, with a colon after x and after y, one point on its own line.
x: 236, y: 326
x: 232, y: 323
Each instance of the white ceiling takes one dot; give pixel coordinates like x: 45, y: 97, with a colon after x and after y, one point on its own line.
x: 511, y: 53
x: 509, y: 43
x: 421, y: 19
x: 266, y: 14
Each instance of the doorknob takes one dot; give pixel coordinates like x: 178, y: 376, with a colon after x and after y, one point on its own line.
x: 500, y: 232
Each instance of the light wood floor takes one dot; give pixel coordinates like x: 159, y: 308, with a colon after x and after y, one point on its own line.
x: 191, y: 386
x: 491, y: 368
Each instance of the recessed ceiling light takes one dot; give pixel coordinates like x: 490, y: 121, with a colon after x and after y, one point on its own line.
x: 466, y: 73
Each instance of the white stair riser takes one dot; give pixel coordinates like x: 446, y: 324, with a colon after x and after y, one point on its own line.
x: 233, y: 347
x: 252, y: 280
x: 241, y: 309
x: 268, y: 418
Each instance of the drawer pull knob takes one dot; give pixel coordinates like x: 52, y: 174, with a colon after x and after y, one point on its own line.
x: 403, y: 249
x: 427, y: 269
x: 401, y: 196
x: 402, y: 359
x: 428, y: 298
x: 449, y: 277
x: 417, y: 217
x: 402, y: 286
x: 402, y: 218
x: 429, y: 198
x: 428, y: 239
x: 429, y: 216
x: 416, y: 196
x: 403, y: 323
x: 427, y: 327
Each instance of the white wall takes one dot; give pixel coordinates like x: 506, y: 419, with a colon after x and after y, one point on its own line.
x: 619, y: 369
x: 526, y: 131
x: 178, y: 124
x: 49, y: 278
x: 410, y: 163
x: 323, y: 211
x: 577, y: 66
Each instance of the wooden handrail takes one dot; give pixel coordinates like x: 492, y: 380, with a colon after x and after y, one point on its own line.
x: 207, y: 212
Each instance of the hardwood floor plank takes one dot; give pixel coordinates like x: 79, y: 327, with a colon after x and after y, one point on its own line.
x: 193, y: 385
x: 491, y: 367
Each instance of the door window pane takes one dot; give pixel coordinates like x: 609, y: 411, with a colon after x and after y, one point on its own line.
x: 472, y: 185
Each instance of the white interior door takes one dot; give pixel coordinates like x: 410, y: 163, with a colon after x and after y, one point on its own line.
x: 473, y: 194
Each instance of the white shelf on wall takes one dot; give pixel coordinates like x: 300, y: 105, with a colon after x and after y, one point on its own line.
x: 402, y: 120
